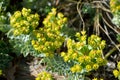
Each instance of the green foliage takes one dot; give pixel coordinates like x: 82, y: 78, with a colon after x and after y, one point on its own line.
x: 115, y: 8
x: 118, y: 37
x: 4, y: 22
x: 68, y: 32
x: 116, y: 19
x: 87, y: 9
x: 22, y: 44
x: 3, y: 47
x: 4, y: 4
x: 41, y: 6
x: 4, y: 16
x: 56, y: 64
x: 5, y: 58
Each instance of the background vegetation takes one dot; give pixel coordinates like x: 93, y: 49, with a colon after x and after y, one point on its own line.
x: 59, y: 39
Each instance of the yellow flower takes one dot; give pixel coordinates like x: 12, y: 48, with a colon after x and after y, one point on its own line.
x: 114, y: 5
x: 101, y: 79
x: 23, y: 21
x: 29, y: 10
x: 81, y: 59
x: 25, y: 12
x: 29, y: 18
x: 23, y: 29
x: 44, y: 39
x: 66, y: 58
x: 37, y: 16
x: 60, y: 15
x: 12, y: 20
x: 70, y: 51
x: 83, y: 32
x: 92, y: 54
x: 77, y: 34
x: 44, y: 76
x: 59, y: 22
x: 35, y: 46
x: 95, y: 66
x: 95, y: 79
x: 69, y: 43
x: 88, y: 68
x: 37, y: 78
x: 38, y: 35
x: 33, y: 42
x: 54, y: 11
x: 116, y: 73
x: 0, y: 72
x: 44, y: 49
x: 16, y: 32
x: 100, y: 61
x: 64, y: 19
x: 102, y: 44
x: 83, y: 38
x: 98, y: 53
x: 74, y: 55
x: 62, y: 54
x: 78, y: 68
x: 47, y: 54
x: 17, y: 14
x: 87, y: 59
x: 118, y: 8
x: 73, y: 69
x: 16, y: 25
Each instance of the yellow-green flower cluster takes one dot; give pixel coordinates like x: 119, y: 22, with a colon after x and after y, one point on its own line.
x: 44, y: 76
x: 49, y: 37
x: 97, y: 79
x: 96, y: 42
x: 116, y: 72
x: 23, y: 22
x: 115, y: 5
x: 0, y: 72
x: 76, y: 68
x: 87, y: 55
